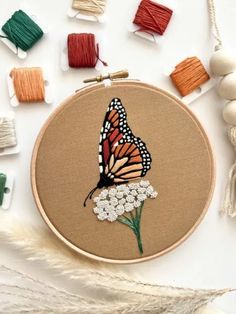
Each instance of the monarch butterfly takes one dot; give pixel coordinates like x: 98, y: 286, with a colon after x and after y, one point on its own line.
x: 122, y: 156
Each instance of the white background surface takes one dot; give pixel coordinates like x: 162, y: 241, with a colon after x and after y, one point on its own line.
x: 208, y: 258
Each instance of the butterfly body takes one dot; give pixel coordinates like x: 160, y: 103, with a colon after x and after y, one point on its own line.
x: 122, y: 156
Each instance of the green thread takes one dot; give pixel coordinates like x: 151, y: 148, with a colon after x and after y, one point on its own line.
x: 22, y: 31
x: 3, y: 180
x: 134, y: 223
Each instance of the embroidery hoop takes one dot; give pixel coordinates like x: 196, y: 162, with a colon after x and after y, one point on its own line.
x: 37, y: 171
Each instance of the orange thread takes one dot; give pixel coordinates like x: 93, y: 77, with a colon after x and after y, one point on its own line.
x: 28, y: 84
x: 189, y: 75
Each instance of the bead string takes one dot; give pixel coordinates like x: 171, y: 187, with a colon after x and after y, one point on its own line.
x: 222, y: 64
x: 22, y: 31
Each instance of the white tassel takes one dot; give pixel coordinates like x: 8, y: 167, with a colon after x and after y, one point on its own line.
x: 229, y: 204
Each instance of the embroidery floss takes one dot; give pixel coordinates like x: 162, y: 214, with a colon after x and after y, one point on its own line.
x: 189, y: 75
x: 90, y: 7
x: 6, y: 189
x: 83, y: 52
x: 3, y: 180
x: 7, y: 132
x: 22, y: 31
x: 28, y: 84
x: 152, y: 17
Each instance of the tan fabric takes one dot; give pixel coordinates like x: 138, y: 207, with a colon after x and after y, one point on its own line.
x: 65, y: 168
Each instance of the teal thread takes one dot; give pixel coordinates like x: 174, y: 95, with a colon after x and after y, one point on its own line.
x: 22, y: 31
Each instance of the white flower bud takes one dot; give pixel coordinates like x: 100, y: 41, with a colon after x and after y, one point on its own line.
x: 103, y: 194
x: 130, y: 198
x: 129, y: 207
x: 142, y: 197
x: 119, y: 195
x: 102, y: 216
x: 144, y: 184
x: 120, y: 210
x: 150, y: 190
x: 112, y: 216
x: 112, y: 192
x: 122, y: 201
x: 134, y: 193
x: 154, y: 194
x: 137, y: 204
x: 113, y: 201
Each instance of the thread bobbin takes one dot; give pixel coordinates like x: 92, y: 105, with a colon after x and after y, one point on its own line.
x: 24, y: 86
x: 88, y: 10
x: 81, y: 48
x: 148, y: 22
x: 6, y: 189
x: 11, y: 45
x: 8, y: 134
x: 191, y: 79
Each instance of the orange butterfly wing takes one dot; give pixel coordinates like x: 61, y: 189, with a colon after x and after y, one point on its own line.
x: 122, y: 156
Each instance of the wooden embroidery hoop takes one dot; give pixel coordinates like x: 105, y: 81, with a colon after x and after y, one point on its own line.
x: 53, y: 149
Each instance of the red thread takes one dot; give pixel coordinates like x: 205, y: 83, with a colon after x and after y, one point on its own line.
x: 152, y: 16
x: 83, y: 52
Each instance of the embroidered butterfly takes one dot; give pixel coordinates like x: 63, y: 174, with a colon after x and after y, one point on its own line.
x: 122, y: 156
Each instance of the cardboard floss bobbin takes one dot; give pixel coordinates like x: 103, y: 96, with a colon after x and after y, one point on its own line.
x: 75, y: 14
x: 64, y: 59
x: 149, y: 34
x: 14, y: 101
x: 13, y: 147
x: 6, y: 189
x: 191, y: 79
x: 10, y: 45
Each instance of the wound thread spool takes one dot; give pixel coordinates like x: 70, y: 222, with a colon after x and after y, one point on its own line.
x: 83, y: 52
x: 7, y: 132
x: 152, y: 17
x: 28, y: 84
x: 189, y: 75
x: 3, y: 180
x: 89, y: 7
x: 22, y: 31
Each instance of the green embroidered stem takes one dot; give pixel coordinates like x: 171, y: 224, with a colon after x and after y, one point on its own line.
x: 22, y: 31
x: 134, y: 223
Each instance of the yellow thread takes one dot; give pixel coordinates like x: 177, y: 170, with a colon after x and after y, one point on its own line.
x: 28, y: 84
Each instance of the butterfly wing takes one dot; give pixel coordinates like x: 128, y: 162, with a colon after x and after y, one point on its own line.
x: 122, y: 156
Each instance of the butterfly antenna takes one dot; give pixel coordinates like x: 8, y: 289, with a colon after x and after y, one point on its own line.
x: 89, y: 196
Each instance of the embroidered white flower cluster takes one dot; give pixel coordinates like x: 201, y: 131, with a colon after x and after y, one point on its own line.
x: 114, y: 202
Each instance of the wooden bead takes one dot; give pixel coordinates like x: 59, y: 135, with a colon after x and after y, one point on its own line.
x: 227, y: 87
x: 222, y: 63
x: 229, y: 112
